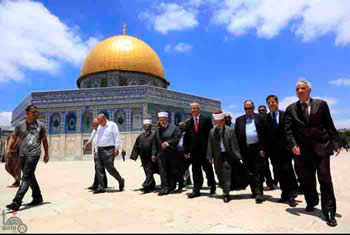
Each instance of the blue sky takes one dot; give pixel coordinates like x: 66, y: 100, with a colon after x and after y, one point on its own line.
x: 229, y: 50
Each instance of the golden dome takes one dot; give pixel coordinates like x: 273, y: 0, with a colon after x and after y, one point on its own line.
x: 122, y: 52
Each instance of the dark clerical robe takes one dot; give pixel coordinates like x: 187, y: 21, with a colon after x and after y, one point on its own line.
x: 143, y: 147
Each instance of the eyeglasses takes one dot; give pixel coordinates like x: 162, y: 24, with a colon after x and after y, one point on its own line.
x: 262, y: 110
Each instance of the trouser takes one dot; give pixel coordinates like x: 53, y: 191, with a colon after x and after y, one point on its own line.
x: 149, y: 183
x: 13, y: 166
x: 167, y: 169
x: 28, y: 166
x: 200, y: 161
x: 226, y: 175
x: 95, y: 184
x: 105, y: 160
x: 282, y: 163
x: 255, y: 164
x: 308, y: 165
x: 123, y: 156
x: 267, y: 172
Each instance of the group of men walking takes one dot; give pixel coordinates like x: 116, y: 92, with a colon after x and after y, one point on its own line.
x: 304, y: 132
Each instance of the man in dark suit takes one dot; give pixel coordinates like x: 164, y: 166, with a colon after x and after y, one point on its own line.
x: 195, y: 146
x: 311, y: 135
x: 250, y: 134
x: 164, y: 150
x: 277, y: 149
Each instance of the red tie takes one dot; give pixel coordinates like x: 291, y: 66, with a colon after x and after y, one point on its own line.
x: 196, y: 125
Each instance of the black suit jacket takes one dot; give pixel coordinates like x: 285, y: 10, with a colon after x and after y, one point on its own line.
x: 240, y: 132
x: 197, y: 143
x: 318, y: 135
x: 275, y: 139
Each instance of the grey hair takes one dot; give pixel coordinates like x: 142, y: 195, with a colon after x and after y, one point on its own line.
x: 195, y: 104
x: 303, y: 81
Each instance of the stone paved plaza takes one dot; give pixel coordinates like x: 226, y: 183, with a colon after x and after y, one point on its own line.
x: 70, y: 207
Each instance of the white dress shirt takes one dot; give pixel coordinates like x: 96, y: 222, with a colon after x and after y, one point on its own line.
x: 108, y: 135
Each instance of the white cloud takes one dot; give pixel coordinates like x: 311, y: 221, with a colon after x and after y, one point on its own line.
x: 171, y: 17
x: 5, y: 118
x: 340, y: 124
x: 32, y: 38
x: 285, y: 102
x: 340, y: 82
x: 183, y: 47
x: 178, y: 48
x: 308, y: 19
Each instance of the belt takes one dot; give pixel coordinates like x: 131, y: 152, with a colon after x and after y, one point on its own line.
x: 106, y: 147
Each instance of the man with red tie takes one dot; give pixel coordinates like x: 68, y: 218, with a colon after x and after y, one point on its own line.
x: 195, y: 148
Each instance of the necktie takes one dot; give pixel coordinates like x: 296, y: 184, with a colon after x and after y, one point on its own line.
x: 274, y: 119
x: 306, y: 112
x: 196, y: 125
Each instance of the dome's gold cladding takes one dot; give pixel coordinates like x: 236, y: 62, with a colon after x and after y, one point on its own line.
x: 123, y: 52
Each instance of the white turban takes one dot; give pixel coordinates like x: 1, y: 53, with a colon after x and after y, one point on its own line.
x: 218, y: 115
x: 228, y: 114
x: 162, y: 114
x: 147, y: 122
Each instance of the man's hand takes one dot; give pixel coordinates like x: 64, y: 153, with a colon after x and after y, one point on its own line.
x: 210, y: 161
x: 95, y: 156
x: 154, y: 158
x: 46, y: 158
x: 338, y: 150
x: 116, y: 153
x: 262, y: 153
x: 296, y: 150
x: 164, y: 145
x: 187, y: 156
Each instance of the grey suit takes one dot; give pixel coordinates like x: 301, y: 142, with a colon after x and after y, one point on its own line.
x: 223, y: 161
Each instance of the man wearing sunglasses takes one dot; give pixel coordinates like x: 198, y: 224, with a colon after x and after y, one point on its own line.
x: 250, y: 131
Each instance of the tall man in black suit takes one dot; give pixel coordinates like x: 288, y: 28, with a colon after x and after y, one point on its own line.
x: 250, y: 134
x: 195, y: 146
x: 277, y: 149
x: 311, y: 135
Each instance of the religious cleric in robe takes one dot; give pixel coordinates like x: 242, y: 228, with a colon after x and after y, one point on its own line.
x: 223, y: 151
x: 164, y: 151
x: 143, y: 148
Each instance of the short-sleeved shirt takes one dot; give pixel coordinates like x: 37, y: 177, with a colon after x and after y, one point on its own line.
x: 30, y: 137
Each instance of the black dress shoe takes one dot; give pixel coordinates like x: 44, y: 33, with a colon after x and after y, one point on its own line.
x: 163, y: 192
x: 92, y: 188
x: 13, y: 206
x: 309, y: 208
x: 259, y: 199
x: 194, y: 194
x: 99, y: 191
x: 212, y: 190
x: 35, y: 202
x: 330, y: 219
x: 226, y: 199
x: 292, y: 202
x: 121, y: 185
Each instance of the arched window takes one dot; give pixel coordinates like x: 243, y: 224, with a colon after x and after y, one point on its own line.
x: 55, y: 124
x: 71, y: 122
x: 178, y: 118
x: 120, y: 119
x: 86, y: 122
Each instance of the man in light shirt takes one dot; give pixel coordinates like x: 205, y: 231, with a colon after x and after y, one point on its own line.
x: 92, y: 141
x: 250, y: 135
x: 107, y: 142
